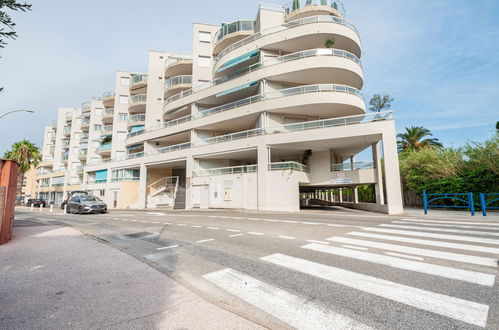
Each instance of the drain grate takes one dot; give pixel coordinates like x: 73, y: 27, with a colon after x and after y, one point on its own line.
x: 139, y: 235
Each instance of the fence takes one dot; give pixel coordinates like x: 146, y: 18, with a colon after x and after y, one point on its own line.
x: 485, y: 204
x: 466, y: 199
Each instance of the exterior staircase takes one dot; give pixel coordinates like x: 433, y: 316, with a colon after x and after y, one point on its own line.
x: 180, y: 199
x: 163, y: 193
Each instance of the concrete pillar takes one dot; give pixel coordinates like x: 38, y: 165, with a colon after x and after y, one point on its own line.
x: 355, y: 196
x: 352, y: 161
x: 189, y: 169
x: 392, y: 173
x: 142, y: 201
x: 263, y: 164
x: 378, y: 173
x: 341, y: 195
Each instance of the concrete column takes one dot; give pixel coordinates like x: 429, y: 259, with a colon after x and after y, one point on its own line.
x: 352, y: 160
x: 392, y: 173
x: 378, y: 174
x: 341, y: 195
x: 263, y: 164
x: 142, y: 201
x: 189, y: 168
x: 355, y: 196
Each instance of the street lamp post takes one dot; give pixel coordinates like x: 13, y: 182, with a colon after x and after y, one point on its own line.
x: 5, y: 114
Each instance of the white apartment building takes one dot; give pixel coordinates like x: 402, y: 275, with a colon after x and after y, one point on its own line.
x: 263, y: 113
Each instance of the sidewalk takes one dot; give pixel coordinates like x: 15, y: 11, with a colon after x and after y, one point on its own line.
x: 55, y: 277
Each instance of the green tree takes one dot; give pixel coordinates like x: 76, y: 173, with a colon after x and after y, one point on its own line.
x: 296, y: 5
x: 379, y: 103
x: 415, y: 138
x: 6, y: 21
x: 329, y: 43
x: 27, y: 155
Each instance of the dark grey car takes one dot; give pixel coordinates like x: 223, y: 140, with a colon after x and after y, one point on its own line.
x: 86, y: 204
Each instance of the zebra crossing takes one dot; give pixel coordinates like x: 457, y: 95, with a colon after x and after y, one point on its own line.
x: 461, y: 252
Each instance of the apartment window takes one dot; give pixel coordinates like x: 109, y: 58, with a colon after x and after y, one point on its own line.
x: 121, y: 136
x: 102, y: 192
x: 125, y: 81
x: 97, y: 127
x: 204, y: 36
x: 123, y: 117
x: 204, y: 61
x: 98, y: 112
x: 123, y: 99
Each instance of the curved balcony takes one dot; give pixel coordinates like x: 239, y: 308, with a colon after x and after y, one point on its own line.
x: 69, y: 118
x: 304, y: 8
x: 82, y: 154
x: 231, y: 33
x: 65, y: 144
x: 108, y: 99
x: 137, y: 103
x: 136, y: 120
x: 108, y: 116
x: 105, y: 149
x: 305, y: 33
x: 106, y: 130
x: 178, y: 66
x: 176, y: 84
x: 138, y: 84
x: 83, y: 138
x: 67, y: 131
x: 86, y: 107
x: 85, y: 125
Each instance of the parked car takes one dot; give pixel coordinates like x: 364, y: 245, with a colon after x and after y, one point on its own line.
x: 36, y: 202
x: 86, y: 204
x: 71, y: 194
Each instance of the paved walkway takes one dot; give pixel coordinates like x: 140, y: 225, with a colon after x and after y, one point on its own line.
x: 55, y: 277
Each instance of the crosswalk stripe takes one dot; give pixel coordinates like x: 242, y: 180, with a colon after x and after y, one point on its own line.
x: 456, y: 246
x: 441, y: 236
x: 444, y: 225
x: 293, y: 310
x: 393, y: 254
x: 455, y: 222
x: 415, y: 266
x: 470, y: 232
x: 458, y: 309
x: 422, y: 252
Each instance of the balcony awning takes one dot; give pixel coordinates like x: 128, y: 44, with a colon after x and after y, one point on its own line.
x: 238, y: 60
x: 236, y: 89
x: 101, y: 175
x: 135, y: 147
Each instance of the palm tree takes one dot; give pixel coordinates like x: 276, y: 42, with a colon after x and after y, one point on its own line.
x: 414, y: 139
x: 27, y: 155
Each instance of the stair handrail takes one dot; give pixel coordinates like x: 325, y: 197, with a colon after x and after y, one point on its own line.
x: 163, y: 182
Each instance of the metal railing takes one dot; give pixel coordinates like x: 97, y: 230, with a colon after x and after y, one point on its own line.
x: 69, y: 117
x: 65, y: 157
x: 286, y: 26
x: 93, y: 181
x: 83, y: 138
x: 267, y: 63
x: 226, y: 170
x: 67, y: 130
x: 66, y: 143
x: 292, y: 166
x: 137, y: 99
x: 352, y: 166
x: 107, y: 95
x: 105, y: 147
x: 87, y: 106
x: 138, y: 78
x: 108, y: 112
x: 178, y: 80
x: 171, y: 181
x: 296, y: 5
x: 237, y: 26
x: 136, y: 118
x: 174, y: 59
x: 107, y: 129
x: 85, y: 122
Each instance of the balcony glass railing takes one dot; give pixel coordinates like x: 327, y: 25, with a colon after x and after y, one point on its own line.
x: 171, y: 60
x: 292, y: 24
x: 296, y: 5
x: 136, y: 119
x: 227, y: 170
x: 69, y: 117
x: 318, y: 124
x: 94, y: 181
x: 106, y: 130
x: 83, y: 138
x: 107, y: 95
x: 264, y: 64
x: 138, y: 78
x: 178, y: 80
x: 292, y: 166
x: 352, y: 166
x: 237, y: 26
x: 67, y: 130
x: 65, y: 157
x: 105, y: 147
x: 85, y: 123
x: 86, y: 107
x: 65, y: 143
x: 137, y: 99
x: 108, y: 112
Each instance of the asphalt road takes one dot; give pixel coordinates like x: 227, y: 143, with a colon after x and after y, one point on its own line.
x: 319, y: 270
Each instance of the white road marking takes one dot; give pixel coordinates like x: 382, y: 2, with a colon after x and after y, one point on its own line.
x: 470, y: 232
x: 459, y: 309
x: 233, y: 230
x: 255, y: 233
x: 293, y: 310
x: 441, y: 236
x: 214, y: 228
x: 456, y: 222
x: 444, y: 225
x: 168, y: 223
x: 134, y: 220
x: 311, y: 223
x: 156, y: 222
x: 404, y: 256
x: 289, y: 221
x: 205, y: 240
x: 417, y: 251
x: 457, y: 246
x: 236, y: 235
x: 181, y: 224
x: 420, y: 267
x: 155, y: 213
x: 286, y: 237
x: 268, y: 220
x: 196, y: 226
x: 144, y: 221
x: 167, y: 247
x: 355, y: 247
x: 318, y: 242
x: 333, y: 225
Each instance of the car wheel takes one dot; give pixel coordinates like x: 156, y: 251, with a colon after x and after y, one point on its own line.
x: 80, y: 210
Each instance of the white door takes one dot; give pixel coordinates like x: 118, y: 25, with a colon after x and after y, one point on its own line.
x: 205, y: 197
x: 216, y: 195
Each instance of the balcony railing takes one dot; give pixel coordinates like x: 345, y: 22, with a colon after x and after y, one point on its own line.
x: 237, y: 26
x: 137, y: 99
x: 352, y: 166
x: 107, y: 95
x: 66, y: 143
x: 292, y: 24
x: 292, y: 166
x: 69, y: 117
x: 105, y: 147
x: 106, y: 130
x: 85, y: 123
x: 93, y: 181
x: 136, y: 119
x: 178, y: 80
x: 318, y: 124
x: 138, y: 78
x: 227, y: 170
x: 86, y: 107
x: 67, y: 130
x: 108, y: 112
x: 65, y: 157
x: 171, y: 60
x: 296, y: 5
x: 83, y: 138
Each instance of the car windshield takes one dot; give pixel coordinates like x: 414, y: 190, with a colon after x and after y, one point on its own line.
x: 89, y: 199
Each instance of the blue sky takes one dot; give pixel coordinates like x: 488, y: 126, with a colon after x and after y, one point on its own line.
x: 438, y: 59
